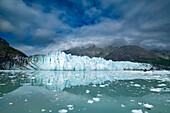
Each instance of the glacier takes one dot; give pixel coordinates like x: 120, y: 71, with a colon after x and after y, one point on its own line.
x: 60, y: 61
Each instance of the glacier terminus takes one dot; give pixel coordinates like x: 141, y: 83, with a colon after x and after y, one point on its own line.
x: 60, y: 61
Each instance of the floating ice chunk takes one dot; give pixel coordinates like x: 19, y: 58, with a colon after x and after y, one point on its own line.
x: 87, y: 91
x: 94, y: 85
x: 10, y: 103
x: 122, y: 105
x: 50, y: 111
x: 90, y: 101
x: 54, y: 90
x: 69, y: 105
x: 42, y: 110
x: 32, y: 78
x: 102, y: 85
x: 139, y: 103
x: 168, y: 100
x: 137, y: 111
x: 106, y: 84
x: 132, y: 100
x: 25, y: 100
x: 161, y: 85
x: 49, y: 84
x: 148, y: 105
x: 155, y: 89
x: 136, y: 85
x: 62, y: 111
x: 96, y: 99
x: 71, y: 108
x: 99, y: 95
x: 2, y: 84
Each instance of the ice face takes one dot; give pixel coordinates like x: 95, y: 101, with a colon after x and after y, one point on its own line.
x: 65, y: 62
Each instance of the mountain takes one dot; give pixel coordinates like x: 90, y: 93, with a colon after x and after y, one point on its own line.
x: 10, y: 58
x: 8, y: 53
x: 165, y: 54
x: 125, y: 53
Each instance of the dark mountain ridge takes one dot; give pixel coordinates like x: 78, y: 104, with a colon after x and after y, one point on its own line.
x: 8, y: 53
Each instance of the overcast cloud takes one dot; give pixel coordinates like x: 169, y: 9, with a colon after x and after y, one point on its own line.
x: 40, y: 26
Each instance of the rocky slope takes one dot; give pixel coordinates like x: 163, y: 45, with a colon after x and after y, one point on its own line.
x: 8, y: 53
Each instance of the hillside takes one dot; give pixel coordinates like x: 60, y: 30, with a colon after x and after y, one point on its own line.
x: 7, y: 52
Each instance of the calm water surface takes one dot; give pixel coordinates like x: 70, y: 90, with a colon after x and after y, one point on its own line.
x: 84, y: 92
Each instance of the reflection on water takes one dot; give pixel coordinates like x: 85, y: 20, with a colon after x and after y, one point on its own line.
x: 80, y: 91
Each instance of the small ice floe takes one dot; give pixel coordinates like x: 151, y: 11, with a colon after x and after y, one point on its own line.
x: 94, y: 85
x: 2, y: 84
x: 137, y: 111
x: 132, y: 100
x: 168, y: 100
x: 55, y: 94
x: 160, y: 85
x: 49, y: 84
x: 25, y: 100
x: 71, y: 108
x: 42, y: 110
x: 122, y: 105
x: 54, y: 90
x: 155, y: 89
x: 96, y: 99
x: 139, y: 103
x: 99, y: 95
x: 50, y: 111
x: 69, y: 105
x: 87, y: 91
x: 90, y: 101
x: 136, y: 85
x: 106, y: 84
x: 148, y: 106
x: 10, y: 103
x: 32, y: 78
x: 62, y: 111
x: 102, y: 85
x: 131, y: 82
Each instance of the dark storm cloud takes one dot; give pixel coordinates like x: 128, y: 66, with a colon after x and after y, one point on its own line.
x: 43, y: 25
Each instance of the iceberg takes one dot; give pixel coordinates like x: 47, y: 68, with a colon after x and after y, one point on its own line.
x: 60, y: 61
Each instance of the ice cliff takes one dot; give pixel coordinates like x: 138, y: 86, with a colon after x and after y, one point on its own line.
x: 61, y: 61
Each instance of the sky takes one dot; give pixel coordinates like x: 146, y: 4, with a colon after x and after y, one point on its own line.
x: 42, y: 26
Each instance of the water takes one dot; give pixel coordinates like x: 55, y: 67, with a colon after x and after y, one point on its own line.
x: 84, y: 92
